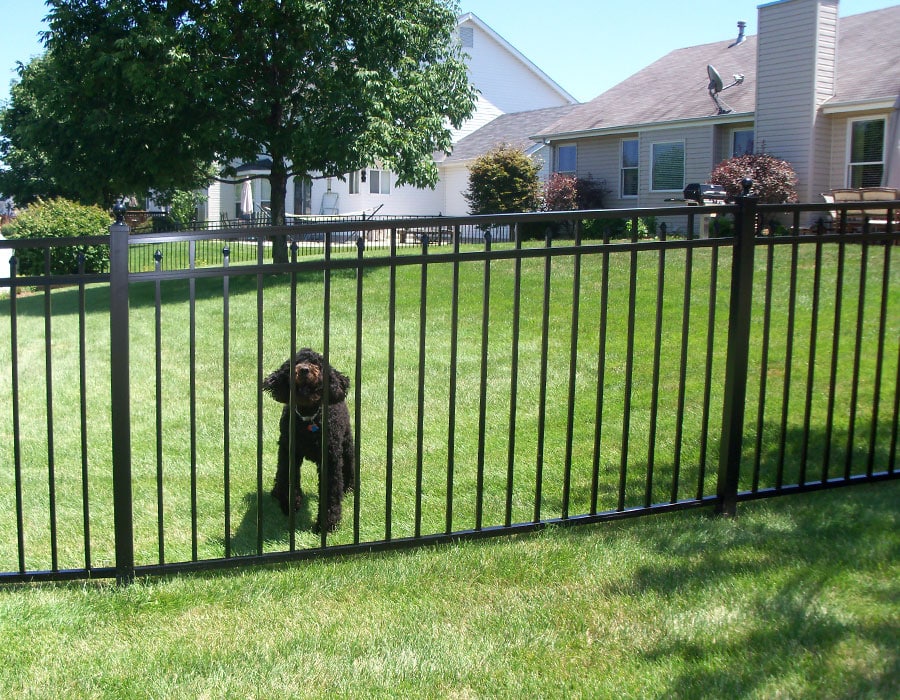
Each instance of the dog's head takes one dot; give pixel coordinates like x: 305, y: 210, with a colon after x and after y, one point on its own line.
x: 308, y: 371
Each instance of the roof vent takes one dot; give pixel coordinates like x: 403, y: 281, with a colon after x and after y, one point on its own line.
x: 740, y: 37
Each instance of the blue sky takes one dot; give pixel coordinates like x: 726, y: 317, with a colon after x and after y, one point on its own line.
x: 586, y: 46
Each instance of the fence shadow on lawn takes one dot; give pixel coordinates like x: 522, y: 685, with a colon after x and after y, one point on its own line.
x: 787, y: 628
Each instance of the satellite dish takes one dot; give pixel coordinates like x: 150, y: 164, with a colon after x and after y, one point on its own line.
x: 715, y: 80
x: 717, y: 85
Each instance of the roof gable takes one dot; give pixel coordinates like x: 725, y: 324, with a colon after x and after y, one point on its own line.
x: 674, y: 88
x: 671, y: 89
x: 542, y: 80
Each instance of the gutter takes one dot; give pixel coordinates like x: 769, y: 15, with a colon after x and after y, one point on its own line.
x: 731, y: 118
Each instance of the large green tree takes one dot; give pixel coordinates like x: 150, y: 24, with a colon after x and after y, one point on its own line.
x: 151, y: 93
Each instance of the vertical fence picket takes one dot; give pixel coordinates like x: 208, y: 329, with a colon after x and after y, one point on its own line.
x: 357, y: 391
x: 601, y: 373
x: 420, y: 391
x: 482, y: 385
x: 160, y: 472
x: 835, y: 347
x: 857, y: 353
x: 763, y: 366
x: 788, y: 367
x: 542, y: 401
x: 514, y: 376
x: 682, y: 366
x: 654, y: 382
x: 879, y: 360
x: 226, y: 400
x: 451, y: 381
x: 48, y: 383
x: 16, y: 427
x: 813, y: 347
x: 82, y: 411
x: 192, y: 396
x: 629, y: 368
x: 573, y: 373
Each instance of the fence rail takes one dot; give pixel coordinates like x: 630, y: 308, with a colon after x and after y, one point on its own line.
x: 507, y: 373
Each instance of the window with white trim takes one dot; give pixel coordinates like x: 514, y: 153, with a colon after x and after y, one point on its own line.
x: 379, y: 182
x: 866, y: 162
x: 628, y: 182
x: 566, y: 159
x: 742, y: 142
x: 353, y: 182
x: 667, y: 167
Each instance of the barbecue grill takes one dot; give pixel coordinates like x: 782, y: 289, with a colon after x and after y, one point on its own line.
x: 702, y: 193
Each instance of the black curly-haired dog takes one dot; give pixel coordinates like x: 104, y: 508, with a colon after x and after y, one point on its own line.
x: 308, y: 371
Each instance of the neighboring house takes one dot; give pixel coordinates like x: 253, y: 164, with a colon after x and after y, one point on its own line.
x: 819, y: 91
x: 507, y: 82
x: 514, y: 129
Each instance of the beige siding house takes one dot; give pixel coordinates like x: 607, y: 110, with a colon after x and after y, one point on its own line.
x: 814, y: 92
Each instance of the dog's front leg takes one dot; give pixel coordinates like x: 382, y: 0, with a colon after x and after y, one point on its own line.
x: 287, y: 490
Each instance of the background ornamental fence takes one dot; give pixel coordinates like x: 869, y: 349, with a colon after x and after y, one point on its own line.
x: 507, y: 373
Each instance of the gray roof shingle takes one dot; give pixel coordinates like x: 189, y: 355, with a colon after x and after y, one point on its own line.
x: 514, y: 128
x: 675, y: 87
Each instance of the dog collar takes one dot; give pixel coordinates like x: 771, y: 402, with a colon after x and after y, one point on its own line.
x: 310, y: 419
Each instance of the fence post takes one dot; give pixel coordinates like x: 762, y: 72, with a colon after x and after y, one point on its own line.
x: 121, y: 398
x: 736, y: 363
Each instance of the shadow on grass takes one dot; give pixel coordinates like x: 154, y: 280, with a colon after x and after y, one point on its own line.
x: 781, y: 624
x: 272, y: 528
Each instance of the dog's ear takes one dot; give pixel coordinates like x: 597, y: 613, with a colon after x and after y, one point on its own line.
x: 278, y: 384
x: 338, y: 386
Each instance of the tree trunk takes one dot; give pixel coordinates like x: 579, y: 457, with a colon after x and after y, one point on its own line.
x: 278, y: 182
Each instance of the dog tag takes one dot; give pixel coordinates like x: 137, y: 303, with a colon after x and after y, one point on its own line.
x: 313, y: 428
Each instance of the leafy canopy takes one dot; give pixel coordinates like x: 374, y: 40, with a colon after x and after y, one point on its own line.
x: 134, y: 95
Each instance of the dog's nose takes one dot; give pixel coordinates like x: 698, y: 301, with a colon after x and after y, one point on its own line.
x: 302, y: 370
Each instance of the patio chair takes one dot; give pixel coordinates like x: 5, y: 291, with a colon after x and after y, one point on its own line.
x: 878, y: 217
x: 854, y: 216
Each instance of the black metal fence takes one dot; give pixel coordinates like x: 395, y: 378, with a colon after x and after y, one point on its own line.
x: 507, y: 373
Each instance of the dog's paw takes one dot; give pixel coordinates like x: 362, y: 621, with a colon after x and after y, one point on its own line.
x: 283, y: 500
x: 318, y: 530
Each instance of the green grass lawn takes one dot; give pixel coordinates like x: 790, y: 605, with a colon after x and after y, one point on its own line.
x: 796, y: 598
x: 206, y: 460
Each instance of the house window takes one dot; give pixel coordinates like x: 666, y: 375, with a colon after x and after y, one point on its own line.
x: 667, y: 167
x: 742, y: 142
x: 379, y: 182
x: 353, y: 181
x: 866, y: 167
x: 629, y: 180
x: 566, y: 158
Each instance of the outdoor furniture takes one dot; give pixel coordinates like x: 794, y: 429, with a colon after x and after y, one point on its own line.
x: 856, y: 217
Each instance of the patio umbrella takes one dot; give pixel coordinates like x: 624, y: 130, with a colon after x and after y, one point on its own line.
x: 246, y: 198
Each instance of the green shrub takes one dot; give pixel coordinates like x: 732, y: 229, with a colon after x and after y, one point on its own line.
x: 774, y: 180
x: 503, y: 180
x: 60, y: 218
x: 619, y: 228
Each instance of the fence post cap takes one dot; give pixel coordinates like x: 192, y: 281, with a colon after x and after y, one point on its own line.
x: 119, y: 212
